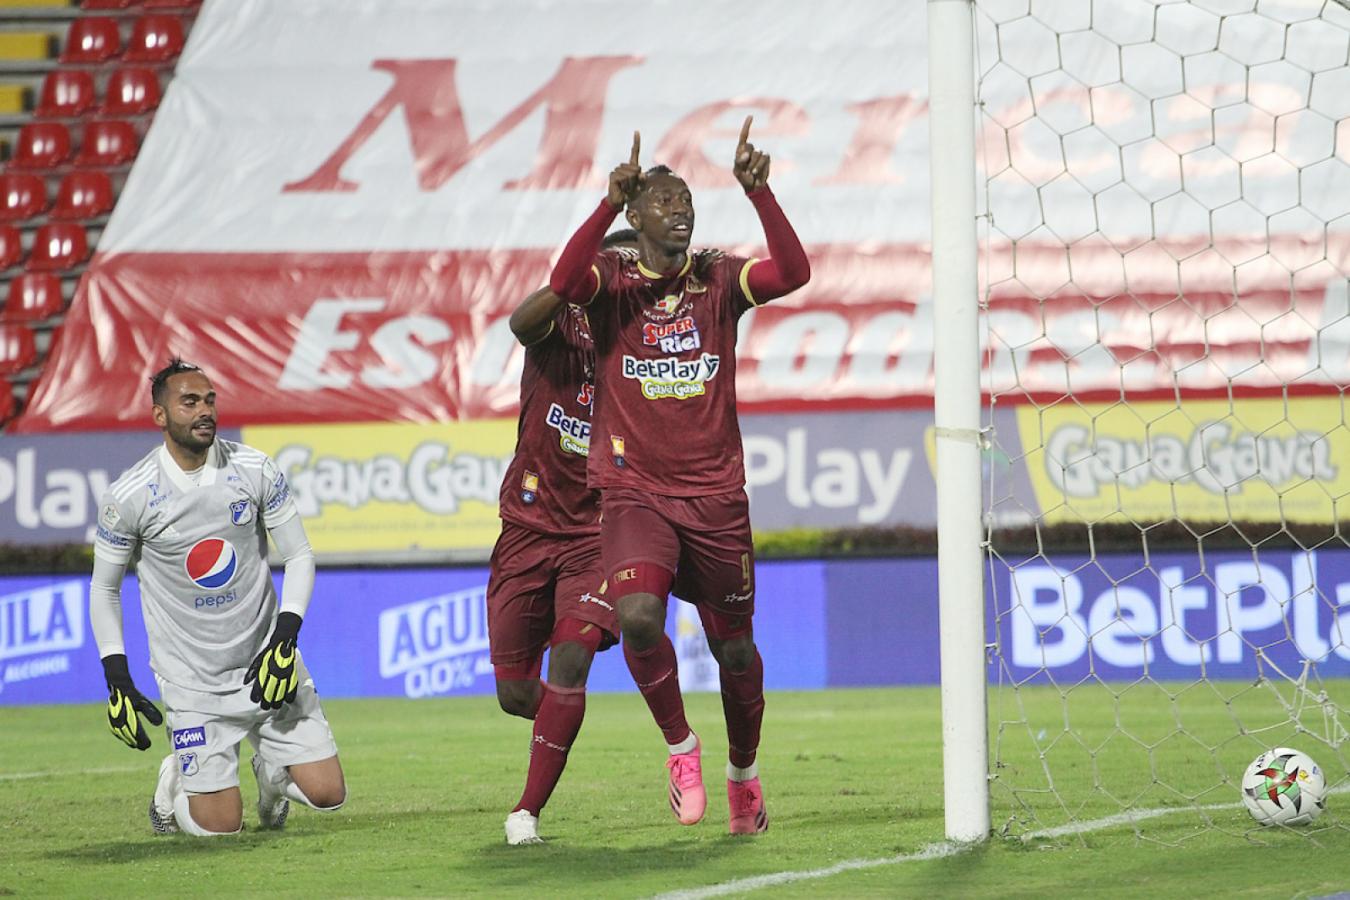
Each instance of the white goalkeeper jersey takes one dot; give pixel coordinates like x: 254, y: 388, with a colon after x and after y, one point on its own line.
x: 206, y: 589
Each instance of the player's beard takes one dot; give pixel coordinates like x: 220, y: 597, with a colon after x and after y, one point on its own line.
x: 185, y: 437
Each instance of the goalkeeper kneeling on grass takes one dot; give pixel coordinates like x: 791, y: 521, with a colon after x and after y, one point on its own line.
x: 198, y: 512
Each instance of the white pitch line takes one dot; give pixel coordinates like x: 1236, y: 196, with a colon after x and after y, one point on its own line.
x: 932, y: 851
x: 942, y: 850
x: 24, y: 776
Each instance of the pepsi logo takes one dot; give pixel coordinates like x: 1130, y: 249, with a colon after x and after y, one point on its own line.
x: 211, y: 563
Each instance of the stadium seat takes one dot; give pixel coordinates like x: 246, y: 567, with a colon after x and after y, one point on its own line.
x: 155, y: 39
x: 91, y: 40
x: 22, y: 196
x: 7, y: 405
x: 107, y: 142
x: 66, y: 94
x: 109, y: 4
x: 33, y: 296
x: 41, y: 145
x: 11, y: 247
x: 131, y: 92
x: 18, y: 350
x: 58, y: 246
x: 83, y: 195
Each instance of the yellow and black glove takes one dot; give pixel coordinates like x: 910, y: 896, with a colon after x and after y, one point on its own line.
x: 127, y: 707
x: 275, y: 671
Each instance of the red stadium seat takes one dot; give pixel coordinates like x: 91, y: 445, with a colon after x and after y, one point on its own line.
x: 109, y: 4
x: 11, y: 247
x: 66, y: 94
x: 18, y: 350
x: 58, y: 246
x: 107, y: 143
x: 22, y: 196
x: 91, y: 40
x: 33, y: 296
x: 41, y: 145
x: 83, y: 195
x: 155, y: 39
x: 131, y: 92
x: 8, y: 406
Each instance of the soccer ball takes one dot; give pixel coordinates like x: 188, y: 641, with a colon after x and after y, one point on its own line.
x: 1284, y: 787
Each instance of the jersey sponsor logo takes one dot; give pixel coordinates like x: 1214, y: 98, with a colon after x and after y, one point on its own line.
x: 280, y: 492
x: 241, y: 512
x: 184, y: 738
x: 211, y: 563
x: 586, y: 396
x: 574, y: 434
x: 111, y: 538
x: 662, y: 379
x: 156, y: 496
x: 672, y: 337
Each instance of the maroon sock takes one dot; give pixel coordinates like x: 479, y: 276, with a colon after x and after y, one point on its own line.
x: 555, y: 728
x: 743, y: 706
x: 658, y: 678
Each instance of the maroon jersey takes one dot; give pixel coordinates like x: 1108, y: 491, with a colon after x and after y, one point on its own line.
x: 545, y: 486
x: 665, y: 410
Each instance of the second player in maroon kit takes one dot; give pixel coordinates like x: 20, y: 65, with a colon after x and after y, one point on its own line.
x: 546, y: 588
x: 666, y: 449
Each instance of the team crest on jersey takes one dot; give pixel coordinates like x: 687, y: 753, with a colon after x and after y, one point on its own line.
x: 188, y: 763
x: 529, y: 486
x: 241, y: 512
x: 616, y: 445
x: 211, y: 563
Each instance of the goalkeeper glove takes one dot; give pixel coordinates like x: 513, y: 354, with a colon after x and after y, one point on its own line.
x: 126, y: 705
x: 274, y: 672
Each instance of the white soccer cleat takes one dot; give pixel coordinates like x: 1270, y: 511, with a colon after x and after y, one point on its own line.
x: 161, y: 801
x: 522, y: 828
x: 273, y: 807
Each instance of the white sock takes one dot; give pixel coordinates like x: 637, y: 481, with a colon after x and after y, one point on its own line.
x: 685, y: 746
x: 182, y: 816
x: 736, y: 773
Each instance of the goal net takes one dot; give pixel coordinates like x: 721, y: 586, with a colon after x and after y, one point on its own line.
x: 1165, y: 245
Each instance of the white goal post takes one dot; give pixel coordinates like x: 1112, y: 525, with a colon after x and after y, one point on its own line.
x: 1141, y: 288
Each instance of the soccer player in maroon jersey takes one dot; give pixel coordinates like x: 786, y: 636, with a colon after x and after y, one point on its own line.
x: 666, y: 454
x: 545, y: 588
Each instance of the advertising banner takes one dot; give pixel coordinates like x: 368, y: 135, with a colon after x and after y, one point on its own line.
x: 1197, y: 460
x: 422, y: 633
x: 342, y: 200
x: 50, y: 485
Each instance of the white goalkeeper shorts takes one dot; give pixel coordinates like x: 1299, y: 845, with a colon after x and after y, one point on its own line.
x: 205, y: 731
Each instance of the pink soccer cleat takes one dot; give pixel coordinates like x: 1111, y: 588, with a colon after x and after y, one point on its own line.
x: 746, y: 799
x: 687, y: 797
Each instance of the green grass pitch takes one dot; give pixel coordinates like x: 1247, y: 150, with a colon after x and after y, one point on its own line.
x: 850, y: 775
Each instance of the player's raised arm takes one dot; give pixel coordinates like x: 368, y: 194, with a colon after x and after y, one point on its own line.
x: 533, y: 318
x: 787, y: 267
x: 573, y: 278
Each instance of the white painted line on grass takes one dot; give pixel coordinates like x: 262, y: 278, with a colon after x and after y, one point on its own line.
x: 24, y: 776
x: 942, y: 850
x: 932, y: 851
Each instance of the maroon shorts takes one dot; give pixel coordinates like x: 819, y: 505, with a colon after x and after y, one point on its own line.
x: 537, y: 581
x: 703, y: 541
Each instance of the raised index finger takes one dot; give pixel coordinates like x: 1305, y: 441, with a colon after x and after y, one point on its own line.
x: 637, y: 145
x: 745, y: 131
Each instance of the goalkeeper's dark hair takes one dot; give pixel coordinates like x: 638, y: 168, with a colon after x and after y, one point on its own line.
x: 159, y: 382
x: 660, y: 169
x: 622, y: 236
